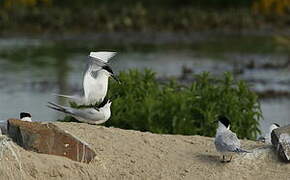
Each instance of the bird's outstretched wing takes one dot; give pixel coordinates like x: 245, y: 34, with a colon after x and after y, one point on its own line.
x: 96, y: 61
x: 102, y: 56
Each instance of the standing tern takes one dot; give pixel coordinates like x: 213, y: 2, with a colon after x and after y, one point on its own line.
x: 95, y: 82
x: 90, y: 115
x: 226, y: 142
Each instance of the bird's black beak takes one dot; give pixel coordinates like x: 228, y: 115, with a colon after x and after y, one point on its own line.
x: 116, y: 78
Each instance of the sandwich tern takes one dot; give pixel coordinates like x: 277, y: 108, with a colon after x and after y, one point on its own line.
x: 271, y: 128
x: 95, y: 82
x: 226, y: 142
x: 25, y: 116
x: 90, y: 115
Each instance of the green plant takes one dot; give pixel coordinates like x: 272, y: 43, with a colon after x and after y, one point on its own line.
x: 142, y: 103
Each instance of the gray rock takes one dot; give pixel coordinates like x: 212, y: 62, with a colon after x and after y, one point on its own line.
x: 3, y: 127
x: 49, y: 139
x: 281, y: 141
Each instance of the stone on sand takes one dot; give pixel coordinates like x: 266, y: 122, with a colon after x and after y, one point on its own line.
x: 49, y: 139
x: 281, y: 141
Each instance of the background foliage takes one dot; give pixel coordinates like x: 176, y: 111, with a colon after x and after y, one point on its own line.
x: 49, y: 16
x: 142, y: 103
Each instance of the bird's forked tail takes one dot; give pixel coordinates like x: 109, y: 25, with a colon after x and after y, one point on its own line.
x: 239, y: 150
x: 57, y: 107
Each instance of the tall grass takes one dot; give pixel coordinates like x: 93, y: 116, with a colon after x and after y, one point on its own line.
x: 142, y: 103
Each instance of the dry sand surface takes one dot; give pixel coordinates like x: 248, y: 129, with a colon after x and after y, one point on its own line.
x: 128, y: 154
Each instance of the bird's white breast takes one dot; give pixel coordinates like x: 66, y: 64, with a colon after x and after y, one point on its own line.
x: 95, y: 89
x: 26, y: 119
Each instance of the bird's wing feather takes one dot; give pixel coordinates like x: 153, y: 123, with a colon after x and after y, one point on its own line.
x: 90, y: 114
x: 60, y: 108
x: 96, y: 61
x: 76, y: 98
x: 103, y: 56
x: 227, y: 141
x: 92, y: 68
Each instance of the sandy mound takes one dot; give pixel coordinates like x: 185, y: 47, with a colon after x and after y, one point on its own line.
x: 127, y: 154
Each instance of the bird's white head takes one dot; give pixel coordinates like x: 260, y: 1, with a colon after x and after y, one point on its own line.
x: 107, y: 70
x: 25, y: 116
x: 273, y: 126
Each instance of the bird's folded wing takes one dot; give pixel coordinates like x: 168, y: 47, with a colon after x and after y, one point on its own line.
x: 228, y: 141
x: 90, y: 114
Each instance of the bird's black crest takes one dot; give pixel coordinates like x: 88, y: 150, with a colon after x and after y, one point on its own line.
x: 108, y: 68
x: 24, y: 114
x: 105, y: 101
x: 224, y: 120
x: 277, y: 124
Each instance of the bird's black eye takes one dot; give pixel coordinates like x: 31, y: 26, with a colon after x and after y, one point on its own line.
x: 108, y: 68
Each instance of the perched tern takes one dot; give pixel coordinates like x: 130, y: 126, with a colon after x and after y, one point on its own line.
x: 24, y: 116
x: 95, y: 82
x: 90, y: 115
x: 226, y: 142
x: 271, y: 128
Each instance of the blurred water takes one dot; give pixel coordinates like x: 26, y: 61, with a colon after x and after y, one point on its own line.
x: 32, y: 70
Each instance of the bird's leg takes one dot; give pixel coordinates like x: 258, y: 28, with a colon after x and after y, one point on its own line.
x: 230, y: 159
x: 223, y: 159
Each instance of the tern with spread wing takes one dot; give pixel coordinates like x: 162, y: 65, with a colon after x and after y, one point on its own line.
x: 95, y: 82
x: 226, y: 142
x: 90, y: 115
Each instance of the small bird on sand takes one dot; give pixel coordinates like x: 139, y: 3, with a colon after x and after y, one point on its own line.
x: 90, y: 115
x: 25, y: 116
x: 226, y: 142
x: 95, y: 82
x: 271, y: 128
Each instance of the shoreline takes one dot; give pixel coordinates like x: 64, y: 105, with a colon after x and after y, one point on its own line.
x: 133, y: 154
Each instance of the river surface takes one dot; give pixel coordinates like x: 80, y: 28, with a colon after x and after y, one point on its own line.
x: 32, y: 69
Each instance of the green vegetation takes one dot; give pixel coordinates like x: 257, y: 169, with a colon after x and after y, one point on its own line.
x: 48, y: 16
x: 142, y: 103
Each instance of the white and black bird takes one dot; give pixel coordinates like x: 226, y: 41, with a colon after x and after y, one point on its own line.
x: 25, y: 116
x: 226, y: 142
x: 95, y: 82
x: 268, y: 139
x: 90, y: 115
